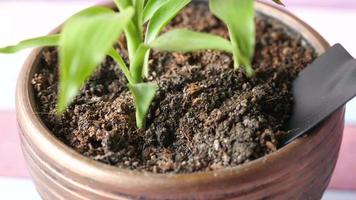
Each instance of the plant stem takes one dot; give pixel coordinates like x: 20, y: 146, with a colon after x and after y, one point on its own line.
x: 137, y: 64
x: 134, y: 39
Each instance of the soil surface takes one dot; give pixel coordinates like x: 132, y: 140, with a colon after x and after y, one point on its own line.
x: 206, y: 115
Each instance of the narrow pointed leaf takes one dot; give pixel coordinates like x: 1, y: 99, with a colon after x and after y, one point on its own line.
x: 162, y: 17
x: 91, y: 11
x: 134, y: 39
x: 183, y: 40
x: 85, y: 40
x: 238, y: 15
x: 139, y: 6
x: 143, y: 95
x: 123, y: 4
x: 45, y: 41
x: 132, y: 32
x: 151, y: 7
x: 138, y: 63
x: 159, y: 20
x: 122, y: 65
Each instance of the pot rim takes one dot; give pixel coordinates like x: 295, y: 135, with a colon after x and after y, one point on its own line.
x: 46, y: 143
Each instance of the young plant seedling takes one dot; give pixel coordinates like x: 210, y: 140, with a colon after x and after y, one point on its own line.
x: 238, y: 15
x: 89, y: 36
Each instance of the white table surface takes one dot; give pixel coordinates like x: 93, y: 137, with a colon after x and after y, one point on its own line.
x: 21, y: 189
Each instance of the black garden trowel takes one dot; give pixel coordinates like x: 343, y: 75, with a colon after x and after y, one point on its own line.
x: 320, y: 89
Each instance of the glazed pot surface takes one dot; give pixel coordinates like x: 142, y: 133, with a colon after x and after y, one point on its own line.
x: 301, y: 170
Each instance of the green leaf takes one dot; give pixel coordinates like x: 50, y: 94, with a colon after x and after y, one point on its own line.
x: 123, y: 4
x: 162, y: 17
x: 151, y: 7
x: 122, y: 65
x: 51, y: 40
x: 143, y: 95
x: 133, y: 33
x: 134, y: 39
x: 183, y: 40
x: 85, y: 40
x: 139, y: 5
x: 238, y: 15
x: 91, y: 11
x: 138, y: 63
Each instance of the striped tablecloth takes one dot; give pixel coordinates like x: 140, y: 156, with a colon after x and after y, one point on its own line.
x: 334, y: 19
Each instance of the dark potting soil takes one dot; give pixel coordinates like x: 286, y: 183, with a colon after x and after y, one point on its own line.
x: 205, y: 116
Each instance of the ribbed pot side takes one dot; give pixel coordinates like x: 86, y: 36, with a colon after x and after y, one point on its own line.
x: 301, y: 170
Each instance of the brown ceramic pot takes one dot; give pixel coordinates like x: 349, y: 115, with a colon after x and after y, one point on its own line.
x: 301, y: 170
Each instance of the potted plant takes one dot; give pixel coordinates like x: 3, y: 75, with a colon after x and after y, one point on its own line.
x: 174, y: 125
